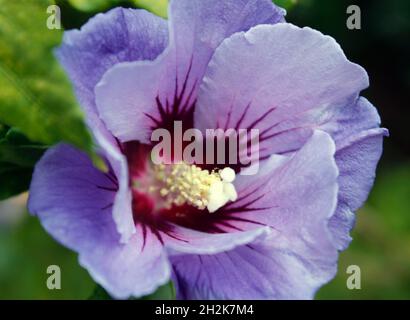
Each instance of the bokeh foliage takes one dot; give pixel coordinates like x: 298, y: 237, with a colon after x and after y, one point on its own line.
x: 35, y: 95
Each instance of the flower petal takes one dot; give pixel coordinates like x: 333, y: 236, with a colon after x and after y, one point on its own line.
x: 296, y: 198
x: 287, y: 82
x: 74, y: 202
x: 356, y: 159
x: 86, y: 54
x: 256, y: 271
x: 279, y: 79
x: 196, y: 242
x: 107, y: 39
x: 359, y: 142
x: 152, y: 93
x: 122, y: 208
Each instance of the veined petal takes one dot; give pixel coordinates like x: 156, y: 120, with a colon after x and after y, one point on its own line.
x: 74, y: 202
x: 154, y: 94
x: 122, y: 207
x: 286, y: 82
x: 296, y: 199
x: 107, y: 39
x: 263, y: 270
x: 196, y: 242
x: 356, y: 179
x: 356, y: 158
x: 296, y: 196
x: 279, y: 79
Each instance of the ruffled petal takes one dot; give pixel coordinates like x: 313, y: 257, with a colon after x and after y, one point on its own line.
x: 293, y: 195
x: 287, y: 82
x: 268, y: 270
x: 154, y: 94
x: 356, y: 158
x: 74, y: 202
x: 107, y: 39
x: 282, y: 80
x: 296, y: 198
x: 359, y: 143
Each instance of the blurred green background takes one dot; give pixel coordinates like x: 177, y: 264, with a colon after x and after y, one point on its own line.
x: 381, y: 245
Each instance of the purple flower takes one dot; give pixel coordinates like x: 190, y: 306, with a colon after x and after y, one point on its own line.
x: 215, y: 64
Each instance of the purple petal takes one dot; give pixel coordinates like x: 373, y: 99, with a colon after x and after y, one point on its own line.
x: 196, y: 242
x: 356, y: 179
x: 300, y: 196
x: 107, y: 39
x: 279, y: 79
x: 359, y: 143
x: 74, y: 203
x: 286, y: 82
x: 198, y: 27
x: 257, y: 271
x: 357, y: 159
x: 122, y: 208
x: 152, y: 93
x: 350, y: 120
x: 294, y: 195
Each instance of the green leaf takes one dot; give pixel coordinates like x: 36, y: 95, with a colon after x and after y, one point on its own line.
x: 159, y: 7
x: 35, y: 95
x: 18, y: 155
x: 286, y: 4
x: 16, y: 149
x: 93, y: 5
x: 165, y: 292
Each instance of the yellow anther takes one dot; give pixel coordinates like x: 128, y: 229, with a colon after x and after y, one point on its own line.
x: 188, y: 184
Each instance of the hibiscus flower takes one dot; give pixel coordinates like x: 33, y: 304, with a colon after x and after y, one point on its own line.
x: 274, y: 234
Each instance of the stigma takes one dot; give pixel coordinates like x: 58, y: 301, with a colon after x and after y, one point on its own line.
x: 181, y: 183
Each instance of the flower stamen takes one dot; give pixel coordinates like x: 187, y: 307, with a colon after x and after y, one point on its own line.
x: 182, y: 183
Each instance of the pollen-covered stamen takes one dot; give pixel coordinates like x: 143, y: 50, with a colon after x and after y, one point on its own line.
x: 181, y: 184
